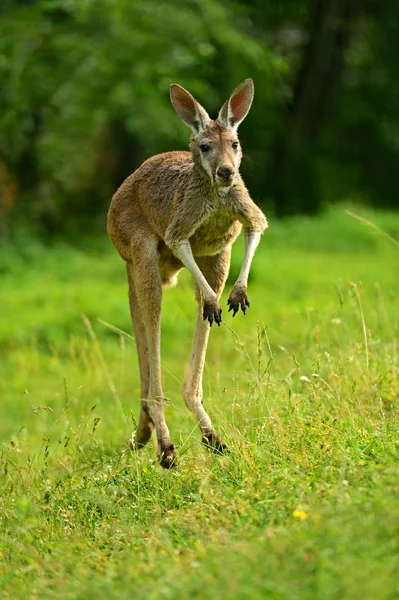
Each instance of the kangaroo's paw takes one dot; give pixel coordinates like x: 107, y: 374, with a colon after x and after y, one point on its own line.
x: 214, y: 443
x: 212, y: 312
x: 237, y: 298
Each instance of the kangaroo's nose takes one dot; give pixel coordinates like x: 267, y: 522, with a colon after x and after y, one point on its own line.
x: 225, y: 172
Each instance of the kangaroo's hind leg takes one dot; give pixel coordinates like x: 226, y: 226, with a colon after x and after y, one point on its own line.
x: 147, y: 285
x: 215, y: 270
x: 146, y: 424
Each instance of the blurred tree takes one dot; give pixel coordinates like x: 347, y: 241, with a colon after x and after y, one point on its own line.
x: 337, y: 133
x: 84, y: 97
x: 295, y: 182
x: 87, y: 86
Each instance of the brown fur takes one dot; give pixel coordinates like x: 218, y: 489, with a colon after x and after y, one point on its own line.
x: 174, y: 198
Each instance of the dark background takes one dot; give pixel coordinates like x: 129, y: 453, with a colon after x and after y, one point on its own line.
x: 84, y: 99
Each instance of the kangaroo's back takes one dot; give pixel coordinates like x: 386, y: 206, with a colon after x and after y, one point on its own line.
x: 147, y: 195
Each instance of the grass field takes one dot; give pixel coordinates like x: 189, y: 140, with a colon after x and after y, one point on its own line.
x: 304, y: 389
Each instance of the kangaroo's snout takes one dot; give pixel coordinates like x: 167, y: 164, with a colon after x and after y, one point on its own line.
x: 225, y: 174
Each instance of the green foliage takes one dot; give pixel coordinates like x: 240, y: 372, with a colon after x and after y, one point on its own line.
x: 304, y: 507
x: 84, y: 98
x: 90, y: 80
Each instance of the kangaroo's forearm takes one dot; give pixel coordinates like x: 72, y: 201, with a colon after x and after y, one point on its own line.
x: 183, y: 252
x: 254, y: 223
x: 238, y: 296
x: 252, y: 239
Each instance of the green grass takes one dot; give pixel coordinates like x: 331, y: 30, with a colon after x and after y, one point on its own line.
x: 304, y: 389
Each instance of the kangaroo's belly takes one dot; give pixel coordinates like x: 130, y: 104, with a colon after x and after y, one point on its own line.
x: 217, y: 232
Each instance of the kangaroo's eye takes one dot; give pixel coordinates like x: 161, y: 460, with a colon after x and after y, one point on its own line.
x: 204, y: 147
x: 234, y: 145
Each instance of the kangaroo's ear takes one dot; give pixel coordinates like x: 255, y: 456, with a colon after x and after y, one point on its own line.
x: 188, y: 109
x: 236, y: 108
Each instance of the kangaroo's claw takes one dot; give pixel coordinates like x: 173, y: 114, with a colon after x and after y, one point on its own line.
x: 212, y: 313
x: 238, y: 299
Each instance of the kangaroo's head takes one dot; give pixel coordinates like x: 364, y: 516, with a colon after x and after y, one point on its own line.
x: 214, y: 144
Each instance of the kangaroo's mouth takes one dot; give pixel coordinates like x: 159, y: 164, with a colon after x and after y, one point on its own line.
x: 224, y: 181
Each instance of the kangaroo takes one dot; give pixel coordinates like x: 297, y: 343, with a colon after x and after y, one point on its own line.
x: 185, y: 209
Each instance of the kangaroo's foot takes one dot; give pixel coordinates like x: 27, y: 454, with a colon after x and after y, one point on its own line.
x: 166, y: 455
x: 143, y: 432
x: 214, y: 443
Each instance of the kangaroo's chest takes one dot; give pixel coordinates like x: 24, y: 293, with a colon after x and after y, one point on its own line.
x: 218, y: 231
